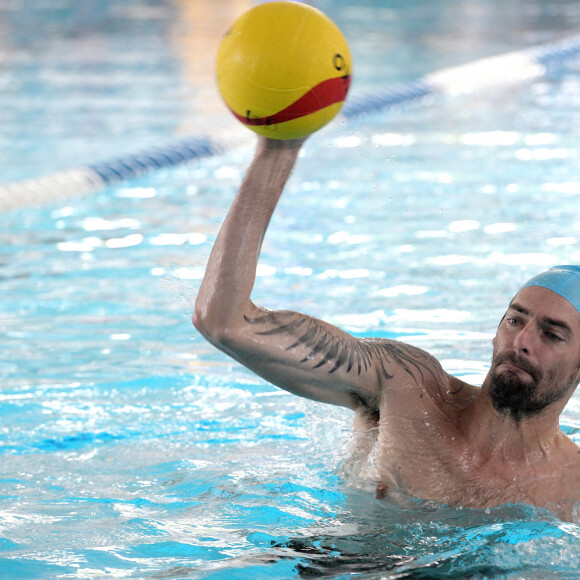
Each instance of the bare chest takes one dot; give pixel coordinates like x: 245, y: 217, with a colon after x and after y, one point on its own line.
x: 432, y: 462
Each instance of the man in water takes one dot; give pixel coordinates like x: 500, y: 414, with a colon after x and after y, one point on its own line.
x: 437, y: 437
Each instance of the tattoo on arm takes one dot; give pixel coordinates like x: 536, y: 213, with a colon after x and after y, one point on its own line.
x: 355, y: 355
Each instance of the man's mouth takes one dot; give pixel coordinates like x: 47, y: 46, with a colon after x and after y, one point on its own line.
x: 513, y: 367
x: 512, y: 364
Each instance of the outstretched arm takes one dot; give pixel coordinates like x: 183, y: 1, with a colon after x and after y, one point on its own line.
x: 298, y: 353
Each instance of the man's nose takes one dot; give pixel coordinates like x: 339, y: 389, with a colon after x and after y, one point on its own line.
x: 523, y: 342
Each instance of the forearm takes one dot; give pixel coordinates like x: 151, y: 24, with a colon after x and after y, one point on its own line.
x: 224, y: 295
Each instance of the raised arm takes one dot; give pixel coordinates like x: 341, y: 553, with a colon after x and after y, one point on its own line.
x: 298, y: 353
x: 224, y: 296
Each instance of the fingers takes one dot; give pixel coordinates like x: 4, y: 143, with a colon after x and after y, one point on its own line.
x: 272, y: 144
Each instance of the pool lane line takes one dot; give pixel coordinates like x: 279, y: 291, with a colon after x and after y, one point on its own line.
x: 91, y: 178
x: 479, y: 75
x: 476, y: 76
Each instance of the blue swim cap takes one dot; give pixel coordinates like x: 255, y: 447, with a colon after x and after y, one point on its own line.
x: 563, y: 280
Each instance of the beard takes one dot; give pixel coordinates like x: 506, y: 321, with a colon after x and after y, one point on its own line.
x: 512, y: 395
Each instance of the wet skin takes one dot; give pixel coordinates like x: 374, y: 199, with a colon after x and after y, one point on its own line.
x: 434, y: 436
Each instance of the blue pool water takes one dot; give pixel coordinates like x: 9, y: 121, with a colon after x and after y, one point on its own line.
x: 130, y: 448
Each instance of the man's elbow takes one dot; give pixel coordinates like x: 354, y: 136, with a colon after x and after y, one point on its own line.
x: 211, y: 327
x: 197, y: 320
x: 203, y: 323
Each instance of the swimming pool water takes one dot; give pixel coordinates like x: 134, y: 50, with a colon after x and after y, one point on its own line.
x: 131, y: 448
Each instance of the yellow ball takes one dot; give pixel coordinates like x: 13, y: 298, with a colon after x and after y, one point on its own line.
x: 284, y: 69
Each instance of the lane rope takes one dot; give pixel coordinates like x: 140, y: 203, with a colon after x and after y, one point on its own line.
x: 479, y: 75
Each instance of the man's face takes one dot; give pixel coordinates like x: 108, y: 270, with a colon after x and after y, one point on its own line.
x: 536, y: 355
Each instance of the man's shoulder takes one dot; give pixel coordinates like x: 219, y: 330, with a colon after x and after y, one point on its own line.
x: 403, y: 364
x: 571, y: 479
x: 571, y: 463
x: 574, y: 454
x: 571, y: 448
x: 406, y: 365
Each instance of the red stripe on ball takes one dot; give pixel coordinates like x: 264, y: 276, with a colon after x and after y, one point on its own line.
x: 323, y: 95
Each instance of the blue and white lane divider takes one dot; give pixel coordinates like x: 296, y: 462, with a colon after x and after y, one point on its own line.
x: 480, y: 75
x: 90, y: 178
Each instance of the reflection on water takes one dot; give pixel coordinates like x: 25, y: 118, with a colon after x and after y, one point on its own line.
x: 130, y: 447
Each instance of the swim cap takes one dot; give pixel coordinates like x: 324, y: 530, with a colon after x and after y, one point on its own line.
x: 563, y: 280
